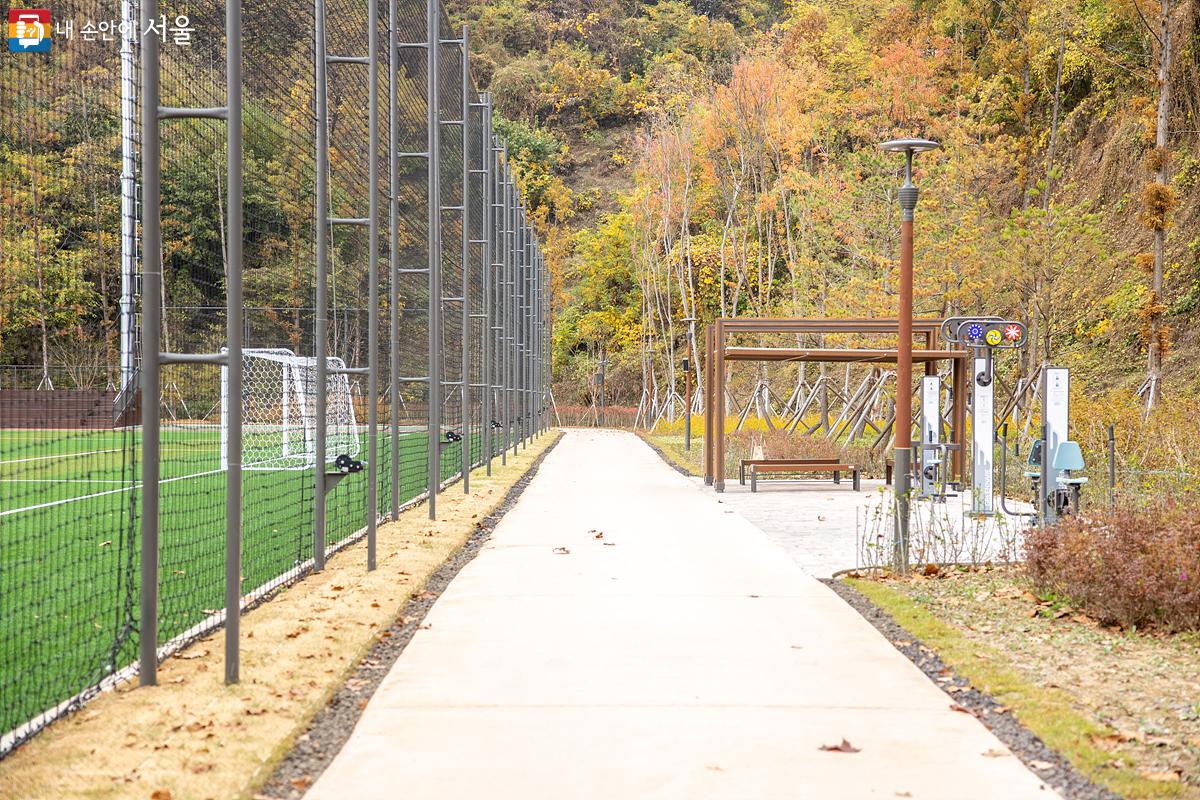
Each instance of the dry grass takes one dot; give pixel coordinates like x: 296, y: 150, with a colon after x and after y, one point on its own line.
x: 1124, y: 707
x: 194, y: 737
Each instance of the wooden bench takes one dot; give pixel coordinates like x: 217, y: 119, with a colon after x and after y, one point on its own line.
x: 760, y: 462
x: 803, y: 465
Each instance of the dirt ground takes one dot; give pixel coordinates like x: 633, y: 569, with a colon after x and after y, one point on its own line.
x: 193, y: 737
x: 1143, y: 686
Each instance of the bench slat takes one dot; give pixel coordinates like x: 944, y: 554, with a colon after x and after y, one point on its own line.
x: 821, y: 467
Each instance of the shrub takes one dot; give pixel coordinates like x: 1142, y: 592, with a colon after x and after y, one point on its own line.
x: 1131, y: 568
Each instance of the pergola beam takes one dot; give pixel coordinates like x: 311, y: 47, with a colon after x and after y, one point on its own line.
x: 836, y: 356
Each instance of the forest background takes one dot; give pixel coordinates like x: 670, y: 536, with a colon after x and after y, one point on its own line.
x: 691, y: 160
x: 686, y: 160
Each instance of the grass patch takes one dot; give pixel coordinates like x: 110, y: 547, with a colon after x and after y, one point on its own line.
x: 194, y: 737
x: 671, y: 446
x: 70, y: 508
x: 1049, y: 712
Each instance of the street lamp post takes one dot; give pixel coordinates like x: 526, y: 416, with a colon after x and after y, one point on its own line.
x: 903, y: 423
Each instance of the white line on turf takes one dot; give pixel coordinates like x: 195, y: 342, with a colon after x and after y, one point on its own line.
x: 55, y: 480
x: 60, y: 455
x: 102, y: 494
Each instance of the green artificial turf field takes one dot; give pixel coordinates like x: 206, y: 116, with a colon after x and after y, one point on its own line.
x: 70, y: 533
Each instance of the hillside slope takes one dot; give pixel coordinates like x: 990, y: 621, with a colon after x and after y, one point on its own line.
x: 717, y: 158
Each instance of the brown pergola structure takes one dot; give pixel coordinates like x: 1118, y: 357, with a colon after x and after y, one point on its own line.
x: 717, y: 355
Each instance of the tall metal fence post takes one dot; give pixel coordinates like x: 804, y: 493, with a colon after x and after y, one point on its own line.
x: 151, y: 339
x: 433, y: 123
x: 506, y: 307
x: 526, y: 350
x: 465, y: 444
x: 485, y: 266
x: 373, y: 280
x: 153, y: 113
x: 233, y: 326
x: 321, y: 301
x: 394, y: 257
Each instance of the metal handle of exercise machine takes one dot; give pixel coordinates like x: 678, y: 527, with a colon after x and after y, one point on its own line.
x: 1004, y: 475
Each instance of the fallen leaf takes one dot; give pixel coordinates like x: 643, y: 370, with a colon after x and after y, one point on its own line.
x: 599, y: 535
x: 161, y: 794
x: 844, y: 747
x: 301, y: 783
x: 962, y: 709
x: 992, y: 752
x: 562, y: 551
x: 1041, y: 766
x: 1163, y: 776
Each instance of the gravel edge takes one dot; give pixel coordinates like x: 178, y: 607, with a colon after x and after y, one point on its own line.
x: 315, y: 749
x: 1026, y: 745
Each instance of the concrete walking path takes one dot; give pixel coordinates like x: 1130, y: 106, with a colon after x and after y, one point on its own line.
x: 681, y: 655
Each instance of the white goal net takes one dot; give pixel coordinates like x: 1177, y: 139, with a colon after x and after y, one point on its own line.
x: 279, y: 421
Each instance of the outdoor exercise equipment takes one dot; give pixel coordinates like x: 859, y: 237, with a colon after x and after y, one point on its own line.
x: 1054, y: 460
x: 1056, y: 487
x: 932, y: 478
x: 982, y: 336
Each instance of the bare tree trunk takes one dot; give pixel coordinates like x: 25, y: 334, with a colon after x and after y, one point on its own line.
x: 1157, y: 334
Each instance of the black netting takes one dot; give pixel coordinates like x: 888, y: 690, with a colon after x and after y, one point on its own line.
x: 70, y: 296
x: 68, y: 405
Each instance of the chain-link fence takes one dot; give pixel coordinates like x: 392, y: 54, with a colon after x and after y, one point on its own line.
x: 260, y: 271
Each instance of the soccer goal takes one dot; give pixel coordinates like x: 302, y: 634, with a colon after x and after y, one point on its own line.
x: 279, y: 411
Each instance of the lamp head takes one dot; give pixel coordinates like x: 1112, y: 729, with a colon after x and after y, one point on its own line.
x: 909, y: 145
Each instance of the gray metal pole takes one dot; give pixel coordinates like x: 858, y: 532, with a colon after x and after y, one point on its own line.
x: 233, y: 327
x: 521, y: 318
x: 527, y: 325
x: 523, y: 305
x: 505, y: 306
x: 485, y: 265
x: 465, y: 444
x: 151, y: 334
x: 320, y: 318
x: 394, y: 256
x: 373, y: 280
x: 514, y: 326
x: 433, y: 122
